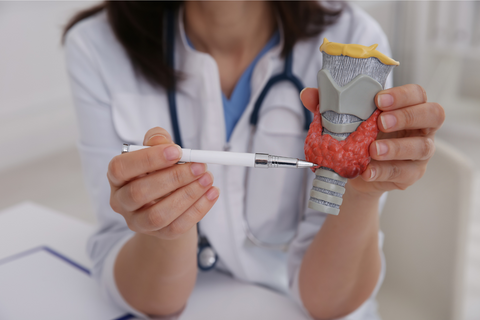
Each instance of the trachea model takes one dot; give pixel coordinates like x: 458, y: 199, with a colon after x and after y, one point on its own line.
x: 346, y: 122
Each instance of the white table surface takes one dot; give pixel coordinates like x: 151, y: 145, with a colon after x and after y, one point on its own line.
x: 216, y: 296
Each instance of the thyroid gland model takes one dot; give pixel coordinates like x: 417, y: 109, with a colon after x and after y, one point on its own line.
x: 345, y: 124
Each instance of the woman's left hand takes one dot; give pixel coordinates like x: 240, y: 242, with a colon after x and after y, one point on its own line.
x: 405, y: 142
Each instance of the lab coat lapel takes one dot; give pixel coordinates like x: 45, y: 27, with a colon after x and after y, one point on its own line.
x: 202, y: 81
x: 234, y: 195
x: 269, y: 64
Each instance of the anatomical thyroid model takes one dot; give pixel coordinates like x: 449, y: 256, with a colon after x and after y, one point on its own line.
x: 346, y: 123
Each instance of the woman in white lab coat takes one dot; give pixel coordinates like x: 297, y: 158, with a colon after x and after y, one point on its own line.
x: 145, y: 251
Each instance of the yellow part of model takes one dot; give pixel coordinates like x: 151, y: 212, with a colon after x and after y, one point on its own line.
x: 355, y: 51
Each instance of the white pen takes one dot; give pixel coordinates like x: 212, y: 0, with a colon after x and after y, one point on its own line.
x: 256, y: 160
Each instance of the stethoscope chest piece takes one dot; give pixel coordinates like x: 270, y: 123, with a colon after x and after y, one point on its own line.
x: 206, y: 258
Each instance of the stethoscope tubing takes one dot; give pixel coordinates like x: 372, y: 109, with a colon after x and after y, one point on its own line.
x: 286, y: 75
x: 172, y: 103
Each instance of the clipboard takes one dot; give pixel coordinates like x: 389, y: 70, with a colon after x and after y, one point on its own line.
x: 42, y: 283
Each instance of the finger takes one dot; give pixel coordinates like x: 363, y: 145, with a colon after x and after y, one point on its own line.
x: 192, y: 216
x: 156, y: 136
x: 403, y: 173
x: 400, y: 97
x: 140, y: 192
x: 412, y: 148
x: 165, y: 211
x: 127, y: 166
x: 429, y: 115
x: 309, y: 97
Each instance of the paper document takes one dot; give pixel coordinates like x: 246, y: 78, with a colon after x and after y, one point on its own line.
x: 43, y: 284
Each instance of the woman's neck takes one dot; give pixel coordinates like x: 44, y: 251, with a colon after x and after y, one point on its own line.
x: 232, y: 32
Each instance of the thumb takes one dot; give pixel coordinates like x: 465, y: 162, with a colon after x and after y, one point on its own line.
x: 156, y: 136
x: 309, y: 97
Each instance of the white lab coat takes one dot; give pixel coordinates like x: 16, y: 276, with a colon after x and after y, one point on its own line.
x: 115, y: 105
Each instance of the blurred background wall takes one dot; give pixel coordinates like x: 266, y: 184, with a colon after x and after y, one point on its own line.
x: 432, y: 229
x: 38, y: 161
x: 36, y: 114
x: 437, y: 43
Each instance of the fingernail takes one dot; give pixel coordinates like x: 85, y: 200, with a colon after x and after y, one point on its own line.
x: 160, y: 136
x: 206, y: 179
x: 198, y: 168
x: 172, y: 153
x: 382, y: 148
x: 213, y: 194
x: 388, y: 120
x: 372, y: 173
x: 384, y: 100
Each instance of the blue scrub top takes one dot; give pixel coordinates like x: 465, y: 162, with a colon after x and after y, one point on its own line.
x: 234, y: 107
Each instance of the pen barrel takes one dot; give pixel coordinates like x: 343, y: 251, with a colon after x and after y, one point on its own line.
x: 219, y: 157
x: 257, y: 160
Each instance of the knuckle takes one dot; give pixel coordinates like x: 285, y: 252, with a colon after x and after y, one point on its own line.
x: 189, y: 194
x: 421, y: 172
x: 421, y: 91
x: 137, y: 193
x: 428, y: 149
x: 177, y: 204
x: 131, y: 225
x: 403, y: 93
x: 114, y: 204
x: 115, y: 168
x: 417, y: 174
x: 402, y: 186
x: 394, y: 172
x: 176, y: 228
x: 176, y: 176
x: 155, y: 218
x: 197, y: 212
x: 408, y: 117
x: 439, y: 112
x: 395, y: 148
x: 151, y: 159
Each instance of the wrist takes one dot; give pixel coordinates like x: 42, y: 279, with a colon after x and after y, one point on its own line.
x: 362, y: 194
x: 363, y: 191
x: 156, y: 276
x: 358, y: 208
x: 185, y: 242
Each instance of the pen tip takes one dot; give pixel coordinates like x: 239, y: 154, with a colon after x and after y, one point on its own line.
x: 305, y: 164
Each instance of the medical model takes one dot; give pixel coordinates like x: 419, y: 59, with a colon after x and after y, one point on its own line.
x: 346, y: 123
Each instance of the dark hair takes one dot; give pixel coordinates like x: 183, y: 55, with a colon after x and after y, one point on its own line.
x: 138, y: 25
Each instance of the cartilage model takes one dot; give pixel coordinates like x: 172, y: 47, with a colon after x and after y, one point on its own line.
x: 346, y: 123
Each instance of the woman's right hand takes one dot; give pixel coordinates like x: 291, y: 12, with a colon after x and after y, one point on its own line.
x: 155, y: 195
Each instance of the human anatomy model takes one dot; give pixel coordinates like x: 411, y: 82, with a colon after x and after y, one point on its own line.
x: 346, y: 123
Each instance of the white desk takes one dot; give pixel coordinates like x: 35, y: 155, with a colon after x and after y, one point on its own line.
x: 28, y: 225
x: 216, y: 296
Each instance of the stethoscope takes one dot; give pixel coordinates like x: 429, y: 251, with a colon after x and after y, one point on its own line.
x: 206, y: 256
